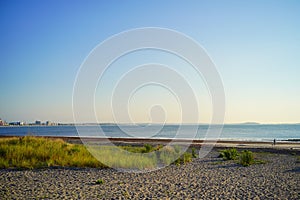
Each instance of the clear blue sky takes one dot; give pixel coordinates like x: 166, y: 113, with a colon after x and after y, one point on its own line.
x: 254, y: 44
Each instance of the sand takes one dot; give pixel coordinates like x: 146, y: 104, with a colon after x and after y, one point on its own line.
x: 205, y: 178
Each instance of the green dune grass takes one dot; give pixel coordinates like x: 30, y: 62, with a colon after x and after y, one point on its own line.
x: 34, y: 152
x: 38, y: 152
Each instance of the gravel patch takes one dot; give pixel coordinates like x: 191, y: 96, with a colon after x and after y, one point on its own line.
x: 207, y: 178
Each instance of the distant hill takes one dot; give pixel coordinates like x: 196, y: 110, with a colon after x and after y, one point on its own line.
x: 250, y: 123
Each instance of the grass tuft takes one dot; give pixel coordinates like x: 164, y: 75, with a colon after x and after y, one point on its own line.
x: 246, y: 158
x: 34, y: 152
x: 229, y: 154
x: 186, y: 157
x: 99, y: 182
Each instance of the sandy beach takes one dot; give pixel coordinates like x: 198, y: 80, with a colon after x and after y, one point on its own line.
x: 207, y: 178
x: 203, y: 178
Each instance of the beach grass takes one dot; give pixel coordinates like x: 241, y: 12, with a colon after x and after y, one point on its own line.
x: 144, y: 157
x: 147, y: 148
x: 37, y: 152
x: 116, y: 157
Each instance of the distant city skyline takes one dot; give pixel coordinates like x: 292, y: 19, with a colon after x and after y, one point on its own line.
x: 254, y: 44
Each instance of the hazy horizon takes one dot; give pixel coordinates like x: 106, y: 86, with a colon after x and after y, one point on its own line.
x: 254, y: 45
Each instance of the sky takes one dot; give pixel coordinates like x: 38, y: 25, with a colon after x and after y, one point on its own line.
x: 255, y: 46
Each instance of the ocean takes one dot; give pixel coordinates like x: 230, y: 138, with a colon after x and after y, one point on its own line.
x: 243, y: 132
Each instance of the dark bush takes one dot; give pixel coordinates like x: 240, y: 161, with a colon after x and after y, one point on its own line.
x: 148, y: 148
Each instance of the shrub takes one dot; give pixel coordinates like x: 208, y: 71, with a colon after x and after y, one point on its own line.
x: 246, y: 158
x: 148, y: 148
x: 229, y: 154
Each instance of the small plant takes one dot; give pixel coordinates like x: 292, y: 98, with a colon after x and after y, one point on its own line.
x: 183, y: 159
x: 260, y: 162
x: 187, y: 157
x: 99, y: 182
x: 229, y: 154
x: 246, y: 158
x: 148, y: 148
x: 194, y: 154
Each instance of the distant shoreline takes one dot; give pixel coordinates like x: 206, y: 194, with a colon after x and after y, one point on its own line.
x: 147, y: 124
x: 292, y: 145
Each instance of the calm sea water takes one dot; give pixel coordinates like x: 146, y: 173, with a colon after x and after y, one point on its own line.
x: 229, y: 132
